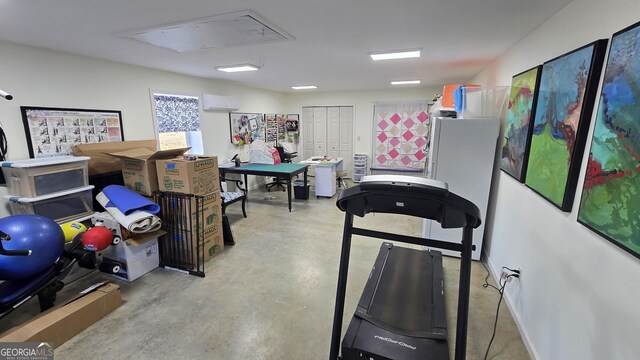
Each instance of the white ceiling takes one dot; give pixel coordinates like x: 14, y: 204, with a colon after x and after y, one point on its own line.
x: 332, y: 37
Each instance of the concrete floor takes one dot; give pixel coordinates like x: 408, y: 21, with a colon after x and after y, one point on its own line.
x: 271, y: 296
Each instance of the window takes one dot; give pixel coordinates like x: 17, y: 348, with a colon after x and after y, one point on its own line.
x: 177, y: 119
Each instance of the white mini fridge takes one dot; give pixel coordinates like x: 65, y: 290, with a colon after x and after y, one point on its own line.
x: 462, y: 154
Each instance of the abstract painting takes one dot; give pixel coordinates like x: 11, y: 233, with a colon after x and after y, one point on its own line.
x: 566, y: 95
x: 610, y: 203
x: 517, y: 133
x: 246, y: 127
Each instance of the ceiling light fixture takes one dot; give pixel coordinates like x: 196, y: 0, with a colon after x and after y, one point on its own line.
x: 304, y: 87
x: 405, y: 82
x: 238, y: 68
x: 397, y: 54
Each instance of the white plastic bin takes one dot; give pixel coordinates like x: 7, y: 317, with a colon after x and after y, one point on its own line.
x: 42, y: 176
x: 360, y: 170
x: 60, y: 207
x: 483, y: 102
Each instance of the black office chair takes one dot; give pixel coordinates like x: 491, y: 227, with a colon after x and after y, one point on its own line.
x: 285, y: 158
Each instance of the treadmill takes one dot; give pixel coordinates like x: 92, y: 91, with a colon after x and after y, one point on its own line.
x: 401, y: 313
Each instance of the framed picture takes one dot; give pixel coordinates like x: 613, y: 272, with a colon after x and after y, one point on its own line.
x: 54, y: 131
x: 567, y: 91
x: 610, y: 202
x: 292, y: 125
x: 517, y: 133
x: 246, y: 127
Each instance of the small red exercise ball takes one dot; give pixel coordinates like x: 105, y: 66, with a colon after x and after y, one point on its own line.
x: 97, y: 238
x: 37, y: 233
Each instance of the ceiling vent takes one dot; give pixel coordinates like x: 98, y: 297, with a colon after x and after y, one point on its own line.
x: 227, y: 30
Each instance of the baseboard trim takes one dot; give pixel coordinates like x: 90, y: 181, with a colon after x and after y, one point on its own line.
x: 512, y: 309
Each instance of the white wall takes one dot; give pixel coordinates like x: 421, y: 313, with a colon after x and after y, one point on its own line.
x: 38, y: 77
x: 578, y: 295
x: 363, y: 103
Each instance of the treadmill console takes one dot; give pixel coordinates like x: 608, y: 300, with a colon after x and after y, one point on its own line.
x: 403, y: 183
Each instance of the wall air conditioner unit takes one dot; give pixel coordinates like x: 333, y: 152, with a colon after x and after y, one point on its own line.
x: 219, y: 103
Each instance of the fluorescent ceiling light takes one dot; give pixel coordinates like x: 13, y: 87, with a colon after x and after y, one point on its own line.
x: 238, y: 68
x: 405, y: 82
x: 304, y: 87
x: 399, y: 54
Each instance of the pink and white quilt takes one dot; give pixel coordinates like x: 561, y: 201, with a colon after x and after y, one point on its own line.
x: 401, y: 137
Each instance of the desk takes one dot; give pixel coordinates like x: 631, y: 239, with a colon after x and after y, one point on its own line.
x: 325, y: 174
x: 284, y: 170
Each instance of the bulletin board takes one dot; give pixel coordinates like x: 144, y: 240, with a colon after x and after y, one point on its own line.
x: 54, y: 131
x: 246, y: 127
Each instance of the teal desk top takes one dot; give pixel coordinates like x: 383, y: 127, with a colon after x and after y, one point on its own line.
x: 280, y: 168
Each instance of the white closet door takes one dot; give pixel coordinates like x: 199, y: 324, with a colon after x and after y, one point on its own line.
x: 320, y: 131
x: 307, y: 133
x: 333, y: 131
x: 346, y: 137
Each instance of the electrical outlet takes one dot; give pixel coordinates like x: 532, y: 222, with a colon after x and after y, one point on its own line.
x: 504, y: 275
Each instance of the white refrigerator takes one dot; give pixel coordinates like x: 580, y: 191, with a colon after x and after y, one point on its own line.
x: 462, y: 154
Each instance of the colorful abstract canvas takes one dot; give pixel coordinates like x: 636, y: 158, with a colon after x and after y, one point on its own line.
x: 566, y: 95
x: 610, y: 203
x: 401, y: 133
x: 517, y: 133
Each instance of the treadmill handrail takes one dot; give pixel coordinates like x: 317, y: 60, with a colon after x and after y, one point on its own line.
x: 447, y: 208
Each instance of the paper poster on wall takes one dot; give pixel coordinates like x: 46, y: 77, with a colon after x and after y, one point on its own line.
x: 275, y: 128
x: 54, y: 131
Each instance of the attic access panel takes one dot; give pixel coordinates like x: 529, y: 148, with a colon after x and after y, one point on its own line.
x: 227, y: 30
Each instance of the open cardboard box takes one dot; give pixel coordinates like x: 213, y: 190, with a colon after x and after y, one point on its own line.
x: 139, y: 167
x: 101, y: 162
x: 64, y: 321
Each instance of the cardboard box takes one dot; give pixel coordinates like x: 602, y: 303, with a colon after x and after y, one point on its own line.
x: 139, y: 167
x: 101, y: 162
x: 213, y: 243
x: 211, y: 208
x: 211, y: 225
x: 137, y: 255
x: 64, y: 321
x: 198, y: 177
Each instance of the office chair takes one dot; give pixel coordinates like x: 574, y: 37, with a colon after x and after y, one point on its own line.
x: 280, y: 182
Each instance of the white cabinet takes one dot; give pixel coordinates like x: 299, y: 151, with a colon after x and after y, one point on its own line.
x: 346, y: 137
x: 328, y: 130
x: 320, y: 130
x: 462, y: 154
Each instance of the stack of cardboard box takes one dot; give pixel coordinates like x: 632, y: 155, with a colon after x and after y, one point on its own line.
x: 198, y: 176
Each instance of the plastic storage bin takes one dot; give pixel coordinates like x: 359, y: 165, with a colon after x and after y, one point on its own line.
x: 60, y: 207
x: 37, y: 177
x: 482, y: 102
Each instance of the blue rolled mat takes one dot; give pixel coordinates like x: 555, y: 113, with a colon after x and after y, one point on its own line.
x: 128, y: 201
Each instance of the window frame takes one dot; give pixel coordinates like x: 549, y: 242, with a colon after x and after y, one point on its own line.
x: 152, y: 92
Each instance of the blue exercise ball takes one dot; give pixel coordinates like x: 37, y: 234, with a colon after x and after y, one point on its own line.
x: 37, y: 233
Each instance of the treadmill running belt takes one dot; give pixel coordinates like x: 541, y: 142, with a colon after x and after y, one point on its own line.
x: 404, y: 295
